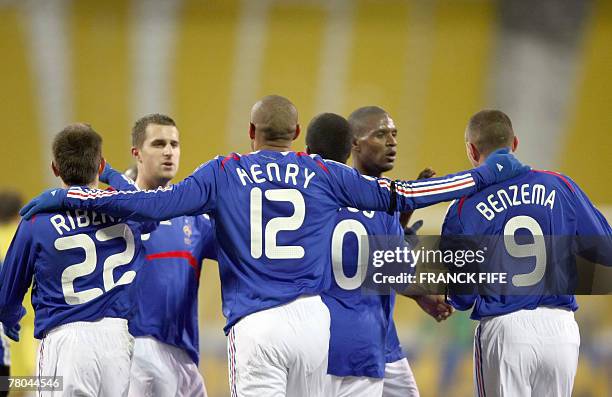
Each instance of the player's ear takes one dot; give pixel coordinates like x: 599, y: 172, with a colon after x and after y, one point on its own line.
x: 102, y: 165
x: 252, y: 131
x: 55, y: 169
x: 135, y: 153
x: 472, y: 152
x: 297, y: 131
x: 355, y: 145
x: 515, y: 143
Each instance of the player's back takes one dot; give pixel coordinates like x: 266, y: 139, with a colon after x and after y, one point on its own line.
x: 81, y: 263
x: 359, y: 321
x: 275, y: 212
x: 537, y: 213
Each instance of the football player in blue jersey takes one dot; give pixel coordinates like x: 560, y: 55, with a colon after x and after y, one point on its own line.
x: 527, y: 341
x: 81, y: 265
x: 274, y: 212
x: 365, y: 356
x: 165, y: 323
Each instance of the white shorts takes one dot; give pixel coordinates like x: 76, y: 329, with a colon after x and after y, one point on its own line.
x: 526, y: 353
x: 280, y: 351
x: 162, y: 370
x: 5, y: 350
x: 399, y: 380
x: 353, y: 386
x: 92, y: 357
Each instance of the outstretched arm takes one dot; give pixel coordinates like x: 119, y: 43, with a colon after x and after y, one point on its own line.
x: 116, y: 179
x: 195, y: 195
x: 381, y: 194
x: 16, y: 275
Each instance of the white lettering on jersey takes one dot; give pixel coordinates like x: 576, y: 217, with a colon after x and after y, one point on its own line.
x: 65, y: 223
x: 273, y: 172
x: 292, y: 171
x: 309, y: 176
x: 243, y: 174
x: 523, y: 195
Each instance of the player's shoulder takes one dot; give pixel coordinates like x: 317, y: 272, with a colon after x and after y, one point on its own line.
x: 335, y: 164
x: 452, y: 219
x: 454, y: 207
x: 553, y: 178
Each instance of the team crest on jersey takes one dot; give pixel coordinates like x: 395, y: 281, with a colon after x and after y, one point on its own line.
x: 188, y: 232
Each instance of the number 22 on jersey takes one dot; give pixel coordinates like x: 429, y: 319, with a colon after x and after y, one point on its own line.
x: 88, y: 266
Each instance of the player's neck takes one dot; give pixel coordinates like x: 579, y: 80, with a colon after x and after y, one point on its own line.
x: 93, y: 185
x: 150, y: 184
x: 363, y: 170
x: 273, y: 147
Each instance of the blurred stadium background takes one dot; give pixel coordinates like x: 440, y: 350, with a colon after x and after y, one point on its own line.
x: 430, y: 63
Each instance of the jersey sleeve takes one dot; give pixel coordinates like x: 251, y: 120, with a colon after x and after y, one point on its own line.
x: 381, y: 194
x: 195, y: 195
x: 209, y: 240
x: 16, y: 275
x: 452, y: 227
x: 119, y: 181
x: 594, y: 235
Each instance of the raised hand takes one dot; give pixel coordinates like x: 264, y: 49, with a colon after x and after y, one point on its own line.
x: 49, y: 200
x: 106, y: 173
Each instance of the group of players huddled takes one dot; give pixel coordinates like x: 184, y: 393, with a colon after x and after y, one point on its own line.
x: 115, y: 272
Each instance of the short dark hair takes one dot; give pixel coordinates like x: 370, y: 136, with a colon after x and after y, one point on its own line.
x: 77, y: 153
x: 10, y: 203
x: 357, y: 119
x: 140, y: 127
x: 490, y: 130
x: 329, y: 135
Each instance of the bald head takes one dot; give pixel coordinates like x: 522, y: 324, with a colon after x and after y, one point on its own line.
x: 275, y: 117
x: 361, y: 119
x: 489, y: 130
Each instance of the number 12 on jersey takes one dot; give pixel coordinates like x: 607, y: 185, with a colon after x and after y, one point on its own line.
x: 267, y: 236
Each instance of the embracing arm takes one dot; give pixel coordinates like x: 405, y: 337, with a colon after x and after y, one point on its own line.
x: 195, y: 195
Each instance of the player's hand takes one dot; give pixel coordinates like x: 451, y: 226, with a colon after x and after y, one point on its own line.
x: 435, y: 306
x: 504, y: 165
x: 426, y: 174
x: 13, y: 332
x: 106, y: 173
x: 410, y: 233
x: 49, y: 200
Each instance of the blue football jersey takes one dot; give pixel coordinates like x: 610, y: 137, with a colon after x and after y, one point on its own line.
x: 362, y: 334
x: 165, y: 291
x: 80, y: 264
x: 548, y: 208
x: 274, y: 213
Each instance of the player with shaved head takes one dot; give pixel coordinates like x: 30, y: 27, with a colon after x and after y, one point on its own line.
x: 274, y: 212
x: 275, y: 119
x: 527, y: 341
